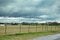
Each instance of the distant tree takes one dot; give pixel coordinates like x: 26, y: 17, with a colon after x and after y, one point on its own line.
x: 52, y: 23
x: 24, y: 23
x: 14, y: 23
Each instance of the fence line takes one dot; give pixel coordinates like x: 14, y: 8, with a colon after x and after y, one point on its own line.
x: 29, y: 28
x: 5, y: 28
x: 20, y: 28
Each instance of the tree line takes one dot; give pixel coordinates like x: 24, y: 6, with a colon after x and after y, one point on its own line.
x: 25, y: 23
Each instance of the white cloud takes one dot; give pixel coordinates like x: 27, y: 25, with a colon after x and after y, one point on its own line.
x: 18, y: 19
x: 21, y: 19
x: 43, y: 16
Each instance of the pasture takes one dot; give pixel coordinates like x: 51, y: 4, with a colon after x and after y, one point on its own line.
x: 26, y: 32
x: 13, y: 29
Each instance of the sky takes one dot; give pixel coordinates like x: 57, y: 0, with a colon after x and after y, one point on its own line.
x: 29, y: 10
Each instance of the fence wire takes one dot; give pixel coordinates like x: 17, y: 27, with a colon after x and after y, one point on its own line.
x: 20, y: 28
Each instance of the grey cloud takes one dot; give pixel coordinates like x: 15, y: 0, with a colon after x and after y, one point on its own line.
x: 30, y: 8
x: 47, y: 3
x: 5, y: 2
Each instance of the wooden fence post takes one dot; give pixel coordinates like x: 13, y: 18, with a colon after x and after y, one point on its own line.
x: 36, y: 27
x: 47, y: 26
x: 5, y: 28
x: 29, y: 28
x: 51, y: 27
x: 42, y: 27
x: 55, y: 27
x: 20, y: 28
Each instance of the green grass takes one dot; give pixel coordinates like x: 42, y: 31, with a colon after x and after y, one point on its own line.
x: 25, y: 35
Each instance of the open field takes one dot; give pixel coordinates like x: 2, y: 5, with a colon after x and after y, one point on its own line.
x: 13, y: 29
x: 26, y: 32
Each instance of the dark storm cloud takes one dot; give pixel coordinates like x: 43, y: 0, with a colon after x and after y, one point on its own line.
x: 5, y: 2
x: 30, y: 8
x: 47, y: 3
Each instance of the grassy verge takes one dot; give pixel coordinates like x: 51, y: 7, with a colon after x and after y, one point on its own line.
x: 25, y: 36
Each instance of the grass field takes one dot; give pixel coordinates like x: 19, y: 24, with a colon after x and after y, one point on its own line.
x: 26, y: 32
x: 12, y: 29
x: 26, y: 36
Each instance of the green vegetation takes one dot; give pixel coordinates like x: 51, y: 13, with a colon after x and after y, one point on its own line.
x: 25, y: 36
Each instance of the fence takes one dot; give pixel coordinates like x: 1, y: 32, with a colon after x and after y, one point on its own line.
x: 19, y: 28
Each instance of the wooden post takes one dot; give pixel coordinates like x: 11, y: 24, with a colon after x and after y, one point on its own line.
x: 51, y: 27
x: 42, y: 27
x: 47, y: 26
x: 20, y: 27
x: 36, y: 27
x: 29, y: 28
x: 55, y: 27
x: 5, y: 28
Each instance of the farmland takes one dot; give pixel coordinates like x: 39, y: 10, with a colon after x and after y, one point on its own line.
x: 27, y: 29
x: 12, y: 29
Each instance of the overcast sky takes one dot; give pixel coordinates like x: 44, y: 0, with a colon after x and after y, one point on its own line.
x: 29, y: 10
